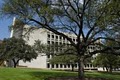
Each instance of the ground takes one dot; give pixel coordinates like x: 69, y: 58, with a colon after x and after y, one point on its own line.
x: 40, y: 74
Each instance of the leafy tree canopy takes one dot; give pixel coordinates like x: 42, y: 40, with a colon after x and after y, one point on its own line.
x: 15, y: 50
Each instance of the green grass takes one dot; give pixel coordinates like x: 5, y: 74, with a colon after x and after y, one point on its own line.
x: 39, y: 74
x: 30, y: 74
x: 110, y: 76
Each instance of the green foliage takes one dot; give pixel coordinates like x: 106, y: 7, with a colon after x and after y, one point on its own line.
x: 39, y: 47
x: 108, y: 61
x: 29, y: 9
x: 16, y: 49
x: 64, y: 59
x: 18, y: 24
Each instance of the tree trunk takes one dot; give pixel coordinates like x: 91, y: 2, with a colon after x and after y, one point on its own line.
x: 80, y: 69
x: 107, y: 69
x: 15, y: 62
x: 111, y: 68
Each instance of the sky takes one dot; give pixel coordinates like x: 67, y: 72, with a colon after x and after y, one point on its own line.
x: 4, y: 23
x: 4, y: 30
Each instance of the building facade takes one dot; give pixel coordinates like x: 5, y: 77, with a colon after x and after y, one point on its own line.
x: 31, y: 34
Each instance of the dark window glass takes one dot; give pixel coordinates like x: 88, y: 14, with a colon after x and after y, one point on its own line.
x: 68, y: 65
x: 48, y: 65
x: 61, y: 66
x: 64, y: 66
x: 52, y: 36
x: 56, y: 65
x: 52, y: 42
x: 60, y: 37
x: 76, y: 65
x: 48, y: 56
x: 48, y: 42
x: 56, y: 37
x: 52, y: 65
x: 48, y: 35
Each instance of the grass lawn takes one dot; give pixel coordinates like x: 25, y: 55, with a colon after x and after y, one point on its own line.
x: 38, y: 74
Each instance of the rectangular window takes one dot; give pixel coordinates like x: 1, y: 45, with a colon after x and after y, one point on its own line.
x: 68, y: 65
x: 52, y: 65
x: 61, y: 66
x: 76, y: 65
x: 60, y: 37
x: 56, y: 43
x: 74, y: 40
x: 48, y: 65
x: 64, y: 66
x: 52, y: 42
x: 56, y: 37
x: 52, y: 36
x: 90, y: 65
x: 60, y: 43
x: 87, y: 65
x: 48, y: 42
x: 48, y: 35
x: 56, y: 65
x: 48, y: 56
x: 63, y: 38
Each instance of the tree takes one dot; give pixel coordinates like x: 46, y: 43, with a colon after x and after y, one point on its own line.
x: 1, y: 59
x: 16, y: 50
x: 64, y: 59
x: 88, y: 20
x: 108, y: 61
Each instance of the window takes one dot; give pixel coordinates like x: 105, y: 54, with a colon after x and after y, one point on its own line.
x: 52, y: 42
x: 56, y: 43
x: 48, y: 42
x: 74, y: 40
x: 76, y: 65
x: 52, y: 65
x: 64, y: 66
x: 48, y: 35
x: 56, y: 65
x: 61, y: 66
x: 87, y: 65
x: 48, y: 65
x: 56, y: 37
x: 90, y: 65
x: 60, y: 37
x: 60, y: 43
x: 63, y: 43
x: 52, y: 36
x: 63, y: 38
x: 68, y: 65
x: 48, y: 56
